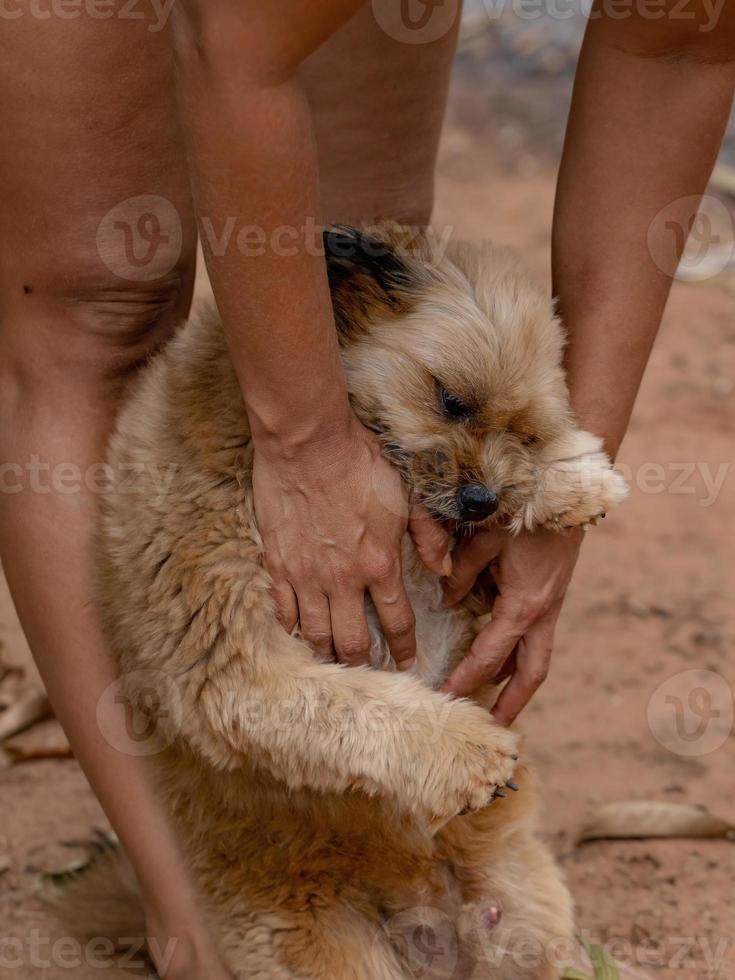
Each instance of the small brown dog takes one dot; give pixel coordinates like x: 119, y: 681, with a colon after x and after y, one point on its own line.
x: 338, y: 820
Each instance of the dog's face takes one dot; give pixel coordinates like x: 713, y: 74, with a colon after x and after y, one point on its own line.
x: 455, y: 360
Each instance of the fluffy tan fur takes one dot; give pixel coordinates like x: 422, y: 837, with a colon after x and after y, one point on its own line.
x: 325, y: 810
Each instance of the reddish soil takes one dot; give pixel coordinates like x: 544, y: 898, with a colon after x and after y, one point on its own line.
x: 652, y: 598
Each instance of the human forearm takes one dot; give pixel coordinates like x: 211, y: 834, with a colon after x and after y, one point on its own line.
x: 253, y: 158
x: 651, y: 102
x: 330, y: 509
x: 650, y: 106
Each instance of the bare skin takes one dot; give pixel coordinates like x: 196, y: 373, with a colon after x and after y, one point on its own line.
x: 68, y: 345
x: 331, y: 510
x: 72, y: 334
x: 314, y: 580
x: 629, y: 153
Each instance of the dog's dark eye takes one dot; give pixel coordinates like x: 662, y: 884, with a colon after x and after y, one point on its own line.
x: 453, y: 405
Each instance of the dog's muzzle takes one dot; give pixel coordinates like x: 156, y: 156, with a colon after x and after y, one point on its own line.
x: 476, y: 502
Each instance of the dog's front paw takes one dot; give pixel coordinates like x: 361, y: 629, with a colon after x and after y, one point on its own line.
x: 592, y: 487
x: 473, y: 766
x: 577, y: 485
x: 489, y: 768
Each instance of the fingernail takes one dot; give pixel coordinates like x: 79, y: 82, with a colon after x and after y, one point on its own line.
x: 405, y: 665
x: 447, y: 566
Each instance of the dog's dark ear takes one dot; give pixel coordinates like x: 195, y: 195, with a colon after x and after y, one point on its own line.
x: 368, y: 278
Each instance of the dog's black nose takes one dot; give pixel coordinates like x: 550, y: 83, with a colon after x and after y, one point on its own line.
x: 476, y: 502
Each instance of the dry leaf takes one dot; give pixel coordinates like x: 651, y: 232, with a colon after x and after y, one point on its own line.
x: 33, y: 753
x: 633, y: 819
x: 31, y: 708
x: 8, y: 670
x: 45, y: 741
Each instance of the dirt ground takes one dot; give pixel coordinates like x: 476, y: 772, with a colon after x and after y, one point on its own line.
x: 652, y: 599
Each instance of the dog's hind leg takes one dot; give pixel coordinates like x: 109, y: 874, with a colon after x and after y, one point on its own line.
x: 518, y: 917
x: 333, y: 944
x: 338, y: 943
x: 521, y: 928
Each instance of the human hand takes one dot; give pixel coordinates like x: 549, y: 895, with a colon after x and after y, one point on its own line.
x: 532, y: 572
x: 332, y: 517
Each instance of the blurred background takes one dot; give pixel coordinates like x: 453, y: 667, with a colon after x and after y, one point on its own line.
x: 639, y: 704
x: 522, y: 56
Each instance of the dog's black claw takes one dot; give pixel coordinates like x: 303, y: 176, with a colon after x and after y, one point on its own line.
x: 498, y: 793
x: 511, y: 785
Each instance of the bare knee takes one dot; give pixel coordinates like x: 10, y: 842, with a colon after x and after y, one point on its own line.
x: 93, y: 290
x: 82, y: 334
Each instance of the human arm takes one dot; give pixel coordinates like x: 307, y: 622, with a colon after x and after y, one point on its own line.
x: 330, y: 509
x: 650, y: 106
